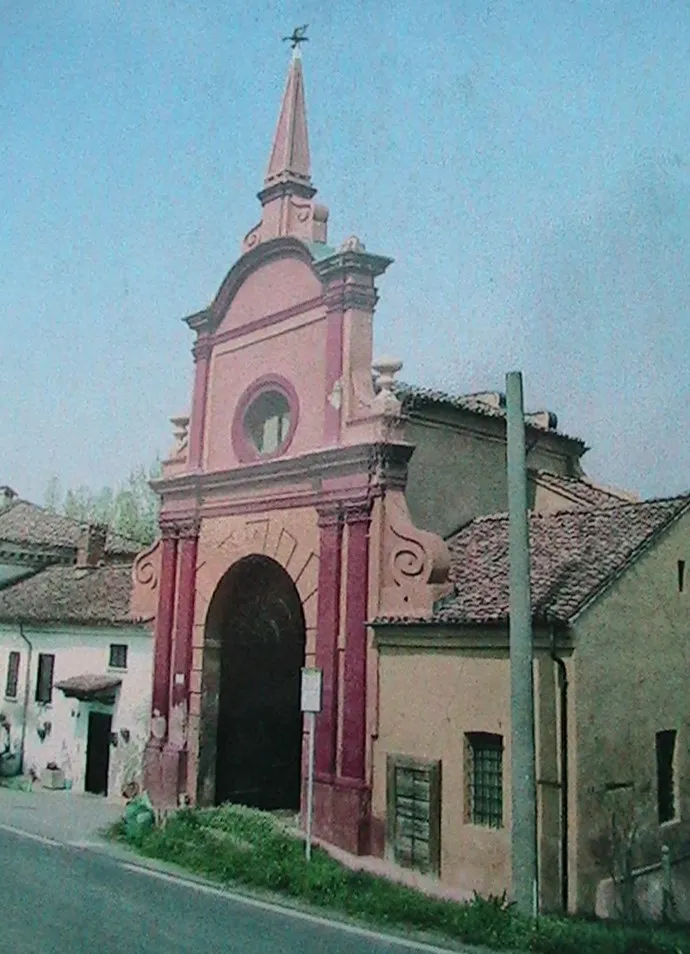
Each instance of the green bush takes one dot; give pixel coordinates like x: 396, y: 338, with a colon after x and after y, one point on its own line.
x: 242, y: 846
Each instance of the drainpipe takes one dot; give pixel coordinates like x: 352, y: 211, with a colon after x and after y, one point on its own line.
x: 27, y: 685
x: 563, y: 747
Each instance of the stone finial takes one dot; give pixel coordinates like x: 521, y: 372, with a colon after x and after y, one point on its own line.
x: 385, y: 370
x: 181, y: 432
x: 352, y: 244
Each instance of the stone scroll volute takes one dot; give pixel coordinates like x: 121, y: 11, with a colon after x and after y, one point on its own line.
x: 145, y: 578
x: 416, y: 563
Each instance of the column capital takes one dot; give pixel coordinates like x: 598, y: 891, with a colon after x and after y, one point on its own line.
x: 203, y: 346
x: 182, y: 529
x: 342, y: 296
x: 357, y: 511
x: 330, y: 514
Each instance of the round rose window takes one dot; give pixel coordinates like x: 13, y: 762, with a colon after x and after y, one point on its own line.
x: 267, y: 422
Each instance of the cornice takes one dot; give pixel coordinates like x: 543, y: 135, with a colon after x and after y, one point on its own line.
x: 286, y: 187
x: 352, y: 261
x: 331, y: 462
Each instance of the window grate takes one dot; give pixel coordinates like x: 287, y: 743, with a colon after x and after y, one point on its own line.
x: 486, y: 779
x: 118, y: 656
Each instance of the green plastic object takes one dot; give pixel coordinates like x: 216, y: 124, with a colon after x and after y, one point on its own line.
x: 139, y: 816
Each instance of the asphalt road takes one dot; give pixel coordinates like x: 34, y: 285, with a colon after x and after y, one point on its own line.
x: 58, y: 898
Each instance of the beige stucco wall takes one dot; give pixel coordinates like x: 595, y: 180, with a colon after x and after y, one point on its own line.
x: 458, y: 469
x: 429, y: 699
x: 632, y: 666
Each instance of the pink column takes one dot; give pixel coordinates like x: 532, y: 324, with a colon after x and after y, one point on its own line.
x: 353, y: 763
x: 334, y: 363
x: 328, y: 624
x: 202, y: 356
x: 164, y: 623
x: 182, y: 666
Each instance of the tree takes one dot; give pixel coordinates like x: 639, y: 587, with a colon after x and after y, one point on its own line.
x: 131, y: 509
x: 53, y: 495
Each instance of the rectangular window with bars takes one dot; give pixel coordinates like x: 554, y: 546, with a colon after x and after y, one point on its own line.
x: 12, y: 675
x: 414, y: 813
x: 44, y: 677
x: 118, y: 656
x: 484, y: 767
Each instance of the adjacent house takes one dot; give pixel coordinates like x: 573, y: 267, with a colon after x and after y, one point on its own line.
x: 610, y: 603
x: 75, y: 668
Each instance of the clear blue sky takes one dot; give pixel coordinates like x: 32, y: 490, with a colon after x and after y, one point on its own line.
x: 526, y: 164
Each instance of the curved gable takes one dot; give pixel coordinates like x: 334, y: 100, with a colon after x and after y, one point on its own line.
x: 276, y: 276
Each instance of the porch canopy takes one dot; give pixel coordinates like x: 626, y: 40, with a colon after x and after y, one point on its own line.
x: 90, y: 687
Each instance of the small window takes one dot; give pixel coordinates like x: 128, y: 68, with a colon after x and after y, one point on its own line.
x: 414, y: 813
x: 665, y: 775
x: 118, y: 656
x: 681, y: 575
x: 267, y: 422
x: 44, y: 678
x: 485, y: 779
x: 12, y: 675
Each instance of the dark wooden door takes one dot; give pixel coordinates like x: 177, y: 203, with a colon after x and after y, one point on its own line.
x: 98, y: 753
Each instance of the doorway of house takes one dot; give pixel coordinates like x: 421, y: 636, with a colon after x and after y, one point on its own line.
x: 257, y: 624
x: 98, y: 753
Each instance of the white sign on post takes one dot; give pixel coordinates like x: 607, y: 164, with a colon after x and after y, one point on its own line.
x: 311, y: 690
x: 310, y: 704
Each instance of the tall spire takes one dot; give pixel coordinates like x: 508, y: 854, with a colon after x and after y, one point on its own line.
x: 287, y: 195
x: 290, y: 154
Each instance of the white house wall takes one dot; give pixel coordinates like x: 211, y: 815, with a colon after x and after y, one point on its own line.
x: 77, y: 651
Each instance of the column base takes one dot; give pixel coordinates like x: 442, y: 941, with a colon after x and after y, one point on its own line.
x: 164, y: 767
x: 342, y: 813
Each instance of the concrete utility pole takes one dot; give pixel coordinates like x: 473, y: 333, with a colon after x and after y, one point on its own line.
x: 523, y: 772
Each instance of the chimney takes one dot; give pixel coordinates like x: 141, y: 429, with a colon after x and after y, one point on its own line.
x: 7, y: 495
x: 91, y: 546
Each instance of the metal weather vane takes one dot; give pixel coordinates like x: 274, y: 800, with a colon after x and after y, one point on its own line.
x: 298, y: 36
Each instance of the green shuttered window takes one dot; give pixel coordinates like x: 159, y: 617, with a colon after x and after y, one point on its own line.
x: 414, y: 812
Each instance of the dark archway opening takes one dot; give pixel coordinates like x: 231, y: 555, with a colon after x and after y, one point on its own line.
x: 257, y: 624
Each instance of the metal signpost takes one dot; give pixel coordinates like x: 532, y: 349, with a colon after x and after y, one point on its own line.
x: 310, y: 704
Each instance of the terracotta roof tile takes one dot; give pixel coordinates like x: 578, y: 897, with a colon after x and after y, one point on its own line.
x: 412, y: 396
x: 65, y: 594
x: 581, y: 490
x: 574, y: 555
x: 25, y: 522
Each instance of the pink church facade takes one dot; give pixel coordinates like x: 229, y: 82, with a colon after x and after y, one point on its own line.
x: 284, y: 523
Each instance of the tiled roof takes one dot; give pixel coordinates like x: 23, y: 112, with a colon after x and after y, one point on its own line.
x: 580, y: 490
x: 24, y: 522
x: 413, y: 396
x: 574, y: 555
x: 65, y: 594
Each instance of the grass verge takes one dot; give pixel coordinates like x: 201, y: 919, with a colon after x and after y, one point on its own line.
x: 233, y: 845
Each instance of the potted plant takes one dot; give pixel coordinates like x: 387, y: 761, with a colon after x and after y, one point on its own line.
x: 52, y: 776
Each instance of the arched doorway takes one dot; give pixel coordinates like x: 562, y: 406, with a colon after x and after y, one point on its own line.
x: 255, y: 628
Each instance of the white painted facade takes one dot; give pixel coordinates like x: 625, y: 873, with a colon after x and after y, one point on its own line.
x: 78, y: 650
